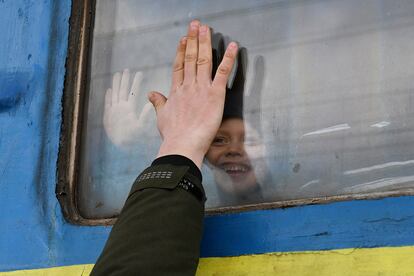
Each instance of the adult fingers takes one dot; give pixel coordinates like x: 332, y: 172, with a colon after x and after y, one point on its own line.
x: 116, y: 81
x: 157, y: 99
x: 178, y: 67
x: 191, y: 53
x: 216, y: 43
x: 204, y: 55
x: 224, y: 69
x: 124, y: 86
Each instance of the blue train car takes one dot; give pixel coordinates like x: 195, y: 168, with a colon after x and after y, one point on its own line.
x: 336, y: 122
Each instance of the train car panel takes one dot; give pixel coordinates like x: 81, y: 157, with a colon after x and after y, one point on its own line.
x: 358, y: 237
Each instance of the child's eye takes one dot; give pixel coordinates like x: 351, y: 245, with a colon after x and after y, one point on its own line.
x: 219, y: 141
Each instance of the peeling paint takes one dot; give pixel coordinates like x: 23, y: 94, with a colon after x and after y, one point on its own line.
x: 13, y: 87
x: 32, y: 66
x: 389, y: 261
x: 32, y: 69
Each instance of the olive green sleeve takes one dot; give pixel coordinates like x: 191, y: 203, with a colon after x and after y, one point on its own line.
x: 159, y: 229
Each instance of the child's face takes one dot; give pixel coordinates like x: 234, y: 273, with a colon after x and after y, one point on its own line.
x: 232, y: 165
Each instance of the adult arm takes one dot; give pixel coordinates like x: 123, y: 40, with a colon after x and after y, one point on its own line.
x: 159, y: 229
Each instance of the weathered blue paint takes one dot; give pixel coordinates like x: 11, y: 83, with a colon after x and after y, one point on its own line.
x: 33, y: 233
x: 33, y: 39
x: 13, y: 86
x: 351, y: 224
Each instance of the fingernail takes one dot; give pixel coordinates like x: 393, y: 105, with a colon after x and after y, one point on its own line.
x: 233, y: 45
x: 203, y: 29
x: 183, y: 40
x: 150, y: 96
x: 194, y: 24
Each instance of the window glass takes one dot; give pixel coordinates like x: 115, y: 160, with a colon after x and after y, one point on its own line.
x: 327, y: 106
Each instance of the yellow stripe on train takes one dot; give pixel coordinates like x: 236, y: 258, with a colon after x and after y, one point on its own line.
x: 364, y: 261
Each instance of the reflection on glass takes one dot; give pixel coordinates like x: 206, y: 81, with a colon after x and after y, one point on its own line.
x: 237, y: 154
x: 238, y: 165
x: 333, y: 114
x: 122, y: 123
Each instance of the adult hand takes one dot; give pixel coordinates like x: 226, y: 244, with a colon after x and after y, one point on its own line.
x: 191, y: 116
x: 121, y: 122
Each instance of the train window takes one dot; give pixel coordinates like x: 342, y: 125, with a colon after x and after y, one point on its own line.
x: 327, y: 113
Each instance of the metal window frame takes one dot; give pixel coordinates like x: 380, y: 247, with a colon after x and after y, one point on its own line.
x: 74, y: 101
